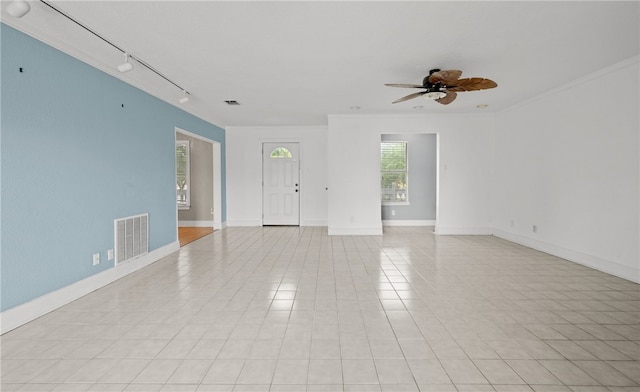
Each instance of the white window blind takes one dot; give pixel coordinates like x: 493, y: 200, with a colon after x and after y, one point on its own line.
x: 393, y: 166
x: 183, y: 184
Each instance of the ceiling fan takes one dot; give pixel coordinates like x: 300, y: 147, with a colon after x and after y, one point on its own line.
x: 443, y: 86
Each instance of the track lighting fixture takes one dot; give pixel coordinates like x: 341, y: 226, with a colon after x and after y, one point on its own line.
x: 18, y: 8
x: 184, y: 98
x: 126, y: 66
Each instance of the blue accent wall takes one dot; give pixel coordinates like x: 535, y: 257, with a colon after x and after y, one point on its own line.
x: 79, y: 148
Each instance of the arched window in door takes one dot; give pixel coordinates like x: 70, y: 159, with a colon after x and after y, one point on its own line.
x: 281, y: 153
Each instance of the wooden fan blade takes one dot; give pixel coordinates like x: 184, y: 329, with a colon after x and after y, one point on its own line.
x: 410, y: 96
x: 445, y: 77
x: 447, y: 99
x: 472, y: 84
x: 404, y: 85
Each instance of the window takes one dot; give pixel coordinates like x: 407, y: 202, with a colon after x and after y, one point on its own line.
x: 281, y: 152
x: 393, y: 167
x: 183, y: 185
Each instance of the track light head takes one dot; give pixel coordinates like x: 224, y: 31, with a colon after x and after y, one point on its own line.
x: 126, y: 66
x: 18, y: 8
x: 184, y: 98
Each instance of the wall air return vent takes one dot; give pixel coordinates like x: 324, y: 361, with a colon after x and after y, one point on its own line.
x: 131, y: 237
x: 232, y: 102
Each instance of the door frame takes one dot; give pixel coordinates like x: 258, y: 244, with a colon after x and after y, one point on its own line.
x: 217, y: 176
x: 300, y: 173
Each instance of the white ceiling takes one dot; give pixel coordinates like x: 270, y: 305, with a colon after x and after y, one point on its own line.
x: 292, y: 63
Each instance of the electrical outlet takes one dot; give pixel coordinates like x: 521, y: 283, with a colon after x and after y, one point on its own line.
x: 96, y: 258
x: 110, y: 254
x: 534, y: 228
x: 512, y: 223
x: 393, y: 212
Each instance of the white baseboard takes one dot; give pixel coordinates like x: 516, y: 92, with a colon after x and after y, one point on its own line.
x: 22, y: 314
x: 597, y: 263
x: 218, y: 226
x: 245, y: 223
x: 195, y: 224
x: 314, y: 222
x: 355, y: 230
x: 408, y: 222
x: 463, y: 230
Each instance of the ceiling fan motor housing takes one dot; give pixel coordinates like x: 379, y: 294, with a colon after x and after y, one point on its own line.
x: 432, y: 87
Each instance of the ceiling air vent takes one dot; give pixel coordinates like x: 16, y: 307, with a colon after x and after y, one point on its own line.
x: 232, y: 102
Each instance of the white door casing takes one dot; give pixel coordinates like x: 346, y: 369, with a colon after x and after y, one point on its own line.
x: 281, y: 184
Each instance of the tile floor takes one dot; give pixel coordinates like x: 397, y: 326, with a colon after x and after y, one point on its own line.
x: 292, y: 309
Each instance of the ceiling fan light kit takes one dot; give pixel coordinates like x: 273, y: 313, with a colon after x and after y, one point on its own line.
x: 434, y: 95
x: 443, y: 85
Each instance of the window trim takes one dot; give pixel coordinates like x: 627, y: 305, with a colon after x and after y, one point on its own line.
x: 406, y: 171
x: 187, y: 204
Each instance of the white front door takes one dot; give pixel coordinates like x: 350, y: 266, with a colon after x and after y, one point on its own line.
x: 280, y: 184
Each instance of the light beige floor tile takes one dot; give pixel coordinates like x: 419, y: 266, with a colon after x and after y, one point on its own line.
x: 223, y: 371
x: 447, y: 349
x: 602, y: 350
x: 125, y: 371
x: 205, y: 349
x: 191, y: 371
x: 463, y: 371
x: 294, y: 309
x: 158, y: 371
x: 630, y: 369
x: 428, y: 372
x: 570, y: 350
x: 359, y: 371
x: 475, y: 388
x: 291, y: 372
x: 257, y: 371
x: 533, y: 373
x: 539, y: 349
x: 512, y: 388
x: 355, y: 349
x: 437, y: 388
x: 630, y: 349
x: 568, y: 373
x: 325, y: 349
x: 393, y: 371
x: 295, y: 349
x: 92, y: 371
x: 605, y: 374
x: 416, y: 348
x: 177, y: 349
x: 325, y: 372
x: 477, y: 349
x: 498, y: 372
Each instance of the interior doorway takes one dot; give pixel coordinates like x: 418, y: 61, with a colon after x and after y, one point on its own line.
x: 201, y: 210
x: 281, y: 184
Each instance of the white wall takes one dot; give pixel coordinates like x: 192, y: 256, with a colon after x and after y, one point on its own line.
x: 244, y: 172
x: 568, y: 163
x: 465, y: 170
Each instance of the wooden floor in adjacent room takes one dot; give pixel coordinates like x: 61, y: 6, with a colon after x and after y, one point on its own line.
x: 189, y: 234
